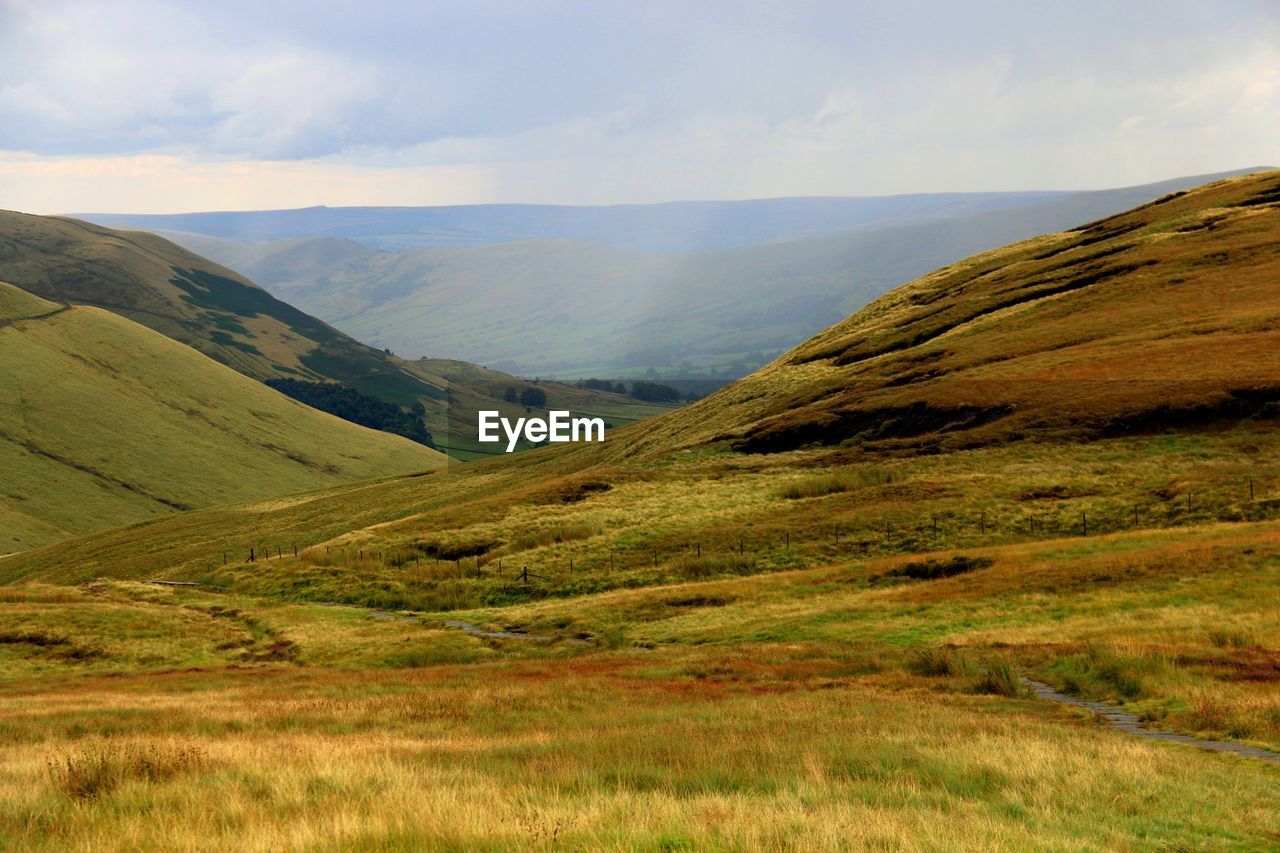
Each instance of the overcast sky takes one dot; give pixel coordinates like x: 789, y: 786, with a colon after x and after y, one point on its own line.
x: 128, y: 106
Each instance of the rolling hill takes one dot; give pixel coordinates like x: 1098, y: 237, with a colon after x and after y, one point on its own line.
x: 1160, y: 318
x: 977, y: 564
x: 107, y: 422
x: 192, y: 300
x: 574, y: 309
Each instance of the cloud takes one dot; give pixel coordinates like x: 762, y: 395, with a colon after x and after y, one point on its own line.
x: 153, y: 183
x: 406, y: 102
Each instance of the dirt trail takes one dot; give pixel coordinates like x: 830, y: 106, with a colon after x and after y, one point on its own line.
x: 465, y: 627
x: 1128, y: 723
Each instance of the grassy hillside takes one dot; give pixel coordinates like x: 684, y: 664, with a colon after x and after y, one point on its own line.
x: 106, y: 422
x: 800, y: 612
x: 576, y: 309
x: 1159, y: 318
x: 190, y: 299
x: 230, y: 319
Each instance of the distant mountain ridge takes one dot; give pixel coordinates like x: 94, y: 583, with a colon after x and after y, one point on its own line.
x: 571, y: 308
x: 666, y: 227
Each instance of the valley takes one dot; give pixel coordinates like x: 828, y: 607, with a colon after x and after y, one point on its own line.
x: 574, y: 308
x: 801, y: 613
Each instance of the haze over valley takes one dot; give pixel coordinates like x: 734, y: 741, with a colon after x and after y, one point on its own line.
x: 580, y: 292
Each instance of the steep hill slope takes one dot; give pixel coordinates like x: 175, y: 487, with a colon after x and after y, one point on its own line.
x: 573, y: 308
x: 225, y: 316
x: 192, y: 300
x: 1164, y: 316
x: 106, y: 422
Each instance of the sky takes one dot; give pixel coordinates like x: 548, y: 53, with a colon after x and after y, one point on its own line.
x: 132, y: 106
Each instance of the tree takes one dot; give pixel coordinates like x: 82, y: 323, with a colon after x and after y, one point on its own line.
x: 511, y: 396
x: 349, y: 404
x: 654, y: 392
x: 533, y: 397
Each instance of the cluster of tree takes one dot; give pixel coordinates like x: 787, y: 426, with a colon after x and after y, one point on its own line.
x: 349, y: 404
x: 530, y: 396
x: 641, y: 389
x: 602, y: 385
x: 654, y: 392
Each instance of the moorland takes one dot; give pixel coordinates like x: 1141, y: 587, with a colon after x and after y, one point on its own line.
x: 803, y: 612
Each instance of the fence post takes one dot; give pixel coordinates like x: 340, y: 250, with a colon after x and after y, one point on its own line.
x: 982, y: 522
x: 252, y: 559
x: 1084, y: 523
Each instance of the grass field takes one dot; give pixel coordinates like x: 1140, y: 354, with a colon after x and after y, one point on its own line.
x: 809, y: 708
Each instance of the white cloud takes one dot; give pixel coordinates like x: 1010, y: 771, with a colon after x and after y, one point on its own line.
x: 166, y: 106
